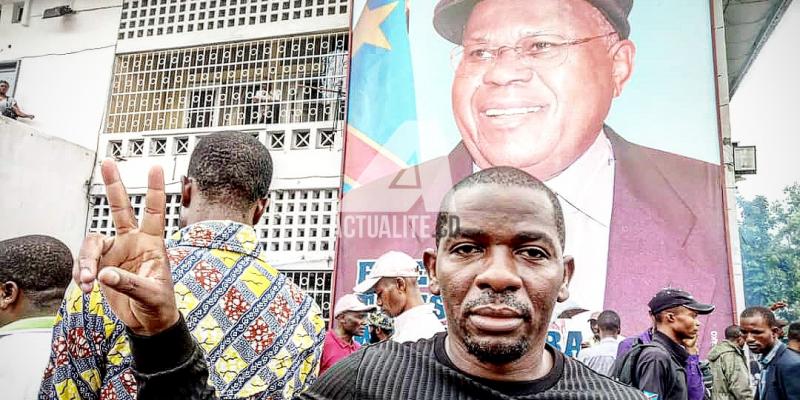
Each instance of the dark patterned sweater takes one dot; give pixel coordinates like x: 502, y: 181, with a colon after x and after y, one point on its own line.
x: 171, y: 366
x: 422, y: 370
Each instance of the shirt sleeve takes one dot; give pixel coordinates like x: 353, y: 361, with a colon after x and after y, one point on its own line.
x: 650, y: 371
x: 311, y: 353
x: 74, y: 368
x: 327, y: 358
x: 624, y: 347
x: 582, y: 355
x: 170, y: 365
x: 694, y: 378
x: 787, y: 377
x: 736, y: 376
x: 339, y: 382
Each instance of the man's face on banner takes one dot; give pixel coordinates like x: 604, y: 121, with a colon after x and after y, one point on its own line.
x: 537, y: 114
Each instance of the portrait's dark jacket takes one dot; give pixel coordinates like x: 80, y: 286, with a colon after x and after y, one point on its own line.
x: 783, y: 378
x: 667, y: 227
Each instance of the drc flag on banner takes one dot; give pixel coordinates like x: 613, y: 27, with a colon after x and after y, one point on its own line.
x: 382, y: 136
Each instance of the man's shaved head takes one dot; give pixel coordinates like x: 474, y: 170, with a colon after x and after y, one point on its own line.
x: 502, y: 176
x: 231, y: 168
x: 41, y: 266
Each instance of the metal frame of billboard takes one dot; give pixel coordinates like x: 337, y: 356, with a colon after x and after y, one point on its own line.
x: 717, y: 25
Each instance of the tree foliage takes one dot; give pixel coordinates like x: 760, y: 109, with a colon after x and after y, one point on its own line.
x: 770, y: 242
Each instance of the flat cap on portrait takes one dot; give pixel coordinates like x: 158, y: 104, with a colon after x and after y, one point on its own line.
x: 450, y: 16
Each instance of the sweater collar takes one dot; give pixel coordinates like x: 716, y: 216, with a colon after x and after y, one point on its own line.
x: 677, y: 351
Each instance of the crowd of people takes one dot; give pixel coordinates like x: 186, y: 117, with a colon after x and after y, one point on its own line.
x: 202, y: 315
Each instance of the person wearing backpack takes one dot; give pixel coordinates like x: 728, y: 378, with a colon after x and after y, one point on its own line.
x: 694, y: 370
x: 658, y: 367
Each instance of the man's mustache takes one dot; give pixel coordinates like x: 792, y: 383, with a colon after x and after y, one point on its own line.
x: 506, y: 298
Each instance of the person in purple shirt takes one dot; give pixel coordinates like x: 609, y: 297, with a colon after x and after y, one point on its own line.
x: 694, y: 376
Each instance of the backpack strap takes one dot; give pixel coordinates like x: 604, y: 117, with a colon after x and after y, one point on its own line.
x: 625, y: 370
x: 635, y: 364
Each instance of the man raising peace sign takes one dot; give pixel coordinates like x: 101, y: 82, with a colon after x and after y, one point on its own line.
x: 259, y: 333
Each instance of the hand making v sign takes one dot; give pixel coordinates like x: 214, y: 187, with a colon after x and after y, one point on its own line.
x: 132, y: 267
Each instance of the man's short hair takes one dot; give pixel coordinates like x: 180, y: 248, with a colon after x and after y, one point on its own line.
x: 763, y: 312
x: 733, y: 332
x: 794, y: 331
x: 504, y: 176
x: 4, y: 81
x: 41, y: 266
x: 659, y: 316
x: 608, y: 321
x: 231, y: 168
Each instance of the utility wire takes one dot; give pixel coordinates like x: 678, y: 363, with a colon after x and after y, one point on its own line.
x: 70, y: 52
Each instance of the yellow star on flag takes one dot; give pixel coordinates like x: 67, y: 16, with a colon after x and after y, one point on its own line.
x: 368, y: 29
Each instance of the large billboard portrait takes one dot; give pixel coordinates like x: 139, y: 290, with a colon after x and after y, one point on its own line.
x: 611, y: 103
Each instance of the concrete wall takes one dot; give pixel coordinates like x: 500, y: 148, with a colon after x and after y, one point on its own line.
x: 43, y: 180
x: 65, y: 65
x: 734, y: 246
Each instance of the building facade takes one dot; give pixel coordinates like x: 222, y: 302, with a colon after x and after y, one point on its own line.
x: 181, y: 69
x: 273, y: 68
x: 59, y: 69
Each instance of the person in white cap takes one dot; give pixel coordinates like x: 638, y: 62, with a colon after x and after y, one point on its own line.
x: 351, y: 319
x: 393, y: 279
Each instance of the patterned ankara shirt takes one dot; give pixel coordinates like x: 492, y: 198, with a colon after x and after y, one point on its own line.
x: 261, y: 335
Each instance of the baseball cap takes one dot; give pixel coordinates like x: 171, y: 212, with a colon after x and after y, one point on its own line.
x: 350, y: 302
x: 390, y: 265
x: 450, y: 16
x: 669, y: 298
x: 594, y: 315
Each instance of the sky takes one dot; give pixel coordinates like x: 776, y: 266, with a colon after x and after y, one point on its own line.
x: 765, y: 111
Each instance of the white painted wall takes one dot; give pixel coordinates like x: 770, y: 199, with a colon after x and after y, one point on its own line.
x: 43, y: 184
x: 764, y: 111
x: 65, y: 65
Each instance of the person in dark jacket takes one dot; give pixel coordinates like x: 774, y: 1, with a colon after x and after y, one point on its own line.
x: 660, y: 369
x: 729, y: 366
x: 794, y: 336
x: 780, y: 367
x: 694, y: 375
x: 499, y: 282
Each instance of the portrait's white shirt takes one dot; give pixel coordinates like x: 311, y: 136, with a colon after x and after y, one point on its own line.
x: 585, y: 190
x: 416, y: 323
